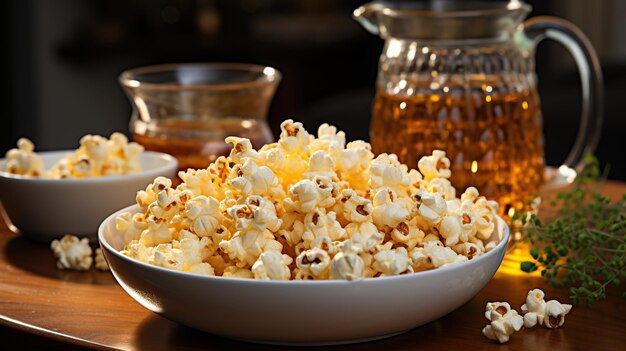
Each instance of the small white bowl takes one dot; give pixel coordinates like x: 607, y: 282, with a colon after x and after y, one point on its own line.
x: 46, y: 209
x: 300, y: 312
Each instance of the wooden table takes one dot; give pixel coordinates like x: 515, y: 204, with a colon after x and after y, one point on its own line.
x: 44, y: 308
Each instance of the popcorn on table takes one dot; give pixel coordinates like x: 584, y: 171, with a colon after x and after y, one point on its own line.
x: 72, y: 253
x: 307, y: 207
x: 100, y: 262
x: 97, y: 156
x: 539, y: 312
x: 504, y: 321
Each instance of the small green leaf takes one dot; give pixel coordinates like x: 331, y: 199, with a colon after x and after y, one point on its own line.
x: 528, y: 267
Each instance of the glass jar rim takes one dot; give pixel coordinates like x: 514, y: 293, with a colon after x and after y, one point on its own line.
x: 447, y: 9
x: 266, y: 76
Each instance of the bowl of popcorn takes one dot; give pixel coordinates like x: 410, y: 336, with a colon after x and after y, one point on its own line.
x: 48, y: 194
x: 310, y: 240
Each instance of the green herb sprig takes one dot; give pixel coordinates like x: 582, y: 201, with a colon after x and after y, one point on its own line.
x: 584, y: 246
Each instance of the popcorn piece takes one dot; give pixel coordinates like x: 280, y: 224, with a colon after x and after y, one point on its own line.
x: 386, y: 211
x: 272, y: 265
x: 293, y: 137
x: 100, y: 262
x: 441, y: 256
x: 443, y: 187
x: 23, y: 160
x: 145, y: 197
x: 385, y: 170
x: 131, y: 224
x: 204, y: 215
x: 353, y: 164
x: 320, y: 164
x: 251, y: 179
x: 242, y: 149
x: 355, y: 208
x: 555, y: 314
x: 504, y: 321
x: 314, y: 262
x: 346, y: 266
x: 391, y: 262
x: 534, y: 309
x: 407, y: 233
x: 197, y: 181
x: 73, y: 253
x: 431, y: 206
x: 320, y: 225
x: 236, y: 272
x: 306, y: 195
x: 435, y: 166
x: 537, y: 311
x: 202, y: 268
x: 364, y: 236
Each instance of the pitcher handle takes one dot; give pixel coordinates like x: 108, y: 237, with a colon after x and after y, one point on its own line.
x: 568, y: 35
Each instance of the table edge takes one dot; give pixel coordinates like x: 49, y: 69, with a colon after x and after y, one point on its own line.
x: 50, y: 334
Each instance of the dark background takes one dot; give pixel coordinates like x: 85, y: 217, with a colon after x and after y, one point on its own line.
x: 64, y: 57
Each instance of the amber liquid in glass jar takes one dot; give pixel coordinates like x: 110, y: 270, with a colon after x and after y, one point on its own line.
x: 494, y: 140
x: 197, y: 143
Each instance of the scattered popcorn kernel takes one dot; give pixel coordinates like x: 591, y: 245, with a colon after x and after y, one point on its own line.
x: 100, y: 262
x: 302, y: 208
x: 73, y: 253
x: 539, y: 312
x: 504, y: 321
x: 555, y: 314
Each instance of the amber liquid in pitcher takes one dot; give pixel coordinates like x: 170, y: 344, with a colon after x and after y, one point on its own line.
x: 494, y: 140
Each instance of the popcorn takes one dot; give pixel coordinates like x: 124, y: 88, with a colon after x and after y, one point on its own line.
x: 301, y: 208
x: 391, y: 262
x: 242, y: 149
x: 251, y: 179
x: 441, y: 256
x: 537, y: 311
x: 272, y: 265
x: 100, y: 262
x: 386, y: 211
x: 313, y: 263
x: 504, y: 321
x: 435, y: 166
x: 431, y: 206
x: 73, y: 253
x: 555, y: 314
x: 204, y: 215
x: 319, y: 226
x: 98, y: 156
x: 306, y: 195
x: 347, y: 266
x: 23, y: 160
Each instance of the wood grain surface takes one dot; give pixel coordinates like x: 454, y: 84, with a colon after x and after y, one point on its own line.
x: 42, y: 307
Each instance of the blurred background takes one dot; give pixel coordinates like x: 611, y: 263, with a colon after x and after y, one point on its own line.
x: 64, y: 58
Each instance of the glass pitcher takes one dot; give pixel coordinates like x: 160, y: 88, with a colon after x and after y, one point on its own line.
x: 460, y: 77
x: 187, y: 110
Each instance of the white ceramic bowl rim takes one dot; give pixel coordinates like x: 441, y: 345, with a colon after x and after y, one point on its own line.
x: 149, y: 154
x: 245, y: 281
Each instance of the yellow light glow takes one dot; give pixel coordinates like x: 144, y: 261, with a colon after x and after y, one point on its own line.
x: 474, y: 166
x: 402, y: 105
x: 525, y: 105
x: 488, y: 98
x: 511, y: 212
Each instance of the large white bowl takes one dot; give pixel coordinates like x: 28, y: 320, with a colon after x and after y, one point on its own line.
x: 300, y: 312
x: 45, y: 209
